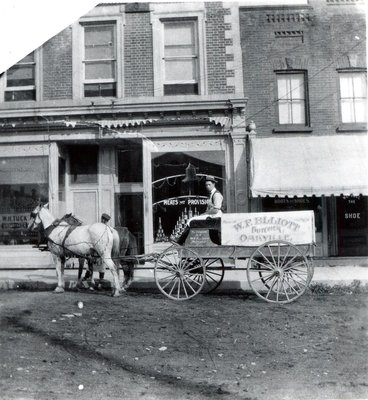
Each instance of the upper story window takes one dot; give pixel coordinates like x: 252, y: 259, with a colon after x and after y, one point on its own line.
x: 291, y: 98
x: 180, y: 57
x: 99, y: 60
x: 20, y: 81
x: 353, y: 97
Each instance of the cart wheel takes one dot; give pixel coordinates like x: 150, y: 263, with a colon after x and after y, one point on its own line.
x: 279, y: 272
x: 179, y: 273
x: 215, y: 271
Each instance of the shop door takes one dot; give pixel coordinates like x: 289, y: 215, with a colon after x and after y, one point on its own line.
x: 85, y: 206
x: 129, y: 213
x: 352, y: 226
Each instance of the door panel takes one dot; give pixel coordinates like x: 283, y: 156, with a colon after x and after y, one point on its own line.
x: 85, y: 206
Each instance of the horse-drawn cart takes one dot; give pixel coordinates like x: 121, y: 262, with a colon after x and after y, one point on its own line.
x: 277, y: 245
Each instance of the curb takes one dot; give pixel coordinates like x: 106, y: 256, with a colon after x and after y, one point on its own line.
x: 354, y: 286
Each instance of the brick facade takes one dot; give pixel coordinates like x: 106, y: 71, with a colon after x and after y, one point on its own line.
x: 316, y: 38
x: 138, y: 55
x: 57, y: 66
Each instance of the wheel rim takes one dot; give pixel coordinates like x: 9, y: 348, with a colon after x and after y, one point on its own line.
x: 179, y: 273
x: 279, y: 272
x: 215, y: 271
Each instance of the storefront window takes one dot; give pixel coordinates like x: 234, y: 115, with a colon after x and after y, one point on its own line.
x: 352, y: 225
x: 179, y: 190
x: 130, y: 162
x: 23, y: 185
x: 295, y: 204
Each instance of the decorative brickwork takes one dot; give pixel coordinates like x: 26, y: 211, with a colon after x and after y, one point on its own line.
x: 215, y: 41
x: 287, y: 17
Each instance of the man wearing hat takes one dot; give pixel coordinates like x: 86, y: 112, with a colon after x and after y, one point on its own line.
x: 215, y: 198
x: 105, y: 218
x: 214, y: 207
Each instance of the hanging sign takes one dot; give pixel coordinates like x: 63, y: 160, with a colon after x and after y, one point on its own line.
x: 254, y: 229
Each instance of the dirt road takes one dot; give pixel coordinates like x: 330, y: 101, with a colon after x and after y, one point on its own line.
x: 144, y: 346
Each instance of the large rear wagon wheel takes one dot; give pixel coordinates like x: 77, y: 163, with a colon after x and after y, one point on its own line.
x: 279, y: 272
x: 179, y: 273
x: 215, y: 271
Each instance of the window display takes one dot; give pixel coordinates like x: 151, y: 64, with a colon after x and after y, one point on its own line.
x: 178, y: 186
x: 23, y: 185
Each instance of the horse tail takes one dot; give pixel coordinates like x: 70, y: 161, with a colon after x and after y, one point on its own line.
x: 133, y: 245
x: 115, y: 252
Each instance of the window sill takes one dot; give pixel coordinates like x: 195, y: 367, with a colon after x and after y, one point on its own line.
x: 352, y: 128
x: 292, y: 129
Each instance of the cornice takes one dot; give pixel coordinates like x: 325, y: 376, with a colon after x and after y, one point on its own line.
x: 149, y: 105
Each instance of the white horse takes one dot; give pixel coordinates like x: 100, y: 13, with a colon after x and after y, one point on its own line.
x: 80, y: 241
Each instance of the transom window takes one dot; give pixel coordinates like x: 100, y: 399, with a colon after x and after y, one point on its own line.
x: 291, y: 98
x: 100, y: 60
x: 180, y: 57
x: 20, y: 80
x: 353, y: 97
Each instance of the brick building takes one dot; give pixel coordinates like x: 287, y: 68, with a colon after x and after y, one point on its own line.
x: 114, y: 112
x: 126, y: 110
x: 305, y: 78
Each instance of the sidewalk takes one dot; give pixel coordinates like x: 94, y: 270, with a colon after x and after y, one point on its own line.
x: 326, y: 278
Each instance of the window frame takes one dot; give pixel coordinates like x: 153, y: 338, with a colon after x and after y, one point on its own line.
x: 97, y: 17
x: 350, y: 71
x: 37, y: 87
x: 304, y: 75
x: 162, y: 13
x: 86, y: 62
x: 194, y: 57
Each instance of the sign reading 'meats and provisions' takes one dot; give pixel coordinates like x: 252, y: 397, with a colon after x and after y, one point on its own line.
x: 254, y: 229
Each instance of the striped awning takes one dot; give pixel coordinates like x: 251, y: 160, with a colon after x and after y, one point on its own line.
x: 306, y: 166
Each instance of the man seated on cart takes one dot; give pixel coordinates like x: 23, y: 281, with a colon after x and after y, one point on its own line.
x: 214, y: 208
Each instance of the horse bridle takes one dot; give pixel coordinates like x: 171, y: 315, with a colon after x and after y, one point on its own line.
x: 34, y: 215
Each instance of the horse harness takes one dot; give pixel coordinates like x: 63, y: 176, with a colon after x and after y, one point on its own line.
x: 69, y: 219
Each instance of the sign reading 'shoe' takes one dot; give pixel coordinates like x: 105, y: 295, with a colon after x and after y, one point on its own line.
x: 254, y: 229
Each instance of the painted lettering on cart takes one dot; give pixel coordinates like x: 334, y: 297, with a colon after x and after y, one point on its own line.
x: 275, y: 222
x: 264, y: 238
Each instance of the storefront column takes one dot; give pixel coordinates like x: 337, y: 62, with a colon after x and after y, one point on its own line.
x: 240, y: 170
x: 54, y: 178
x: 148, y: 147
x: 106, y: 175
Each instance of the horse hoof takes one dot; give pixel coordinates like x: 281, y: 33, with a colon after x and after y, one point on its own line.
x: 59, y: 290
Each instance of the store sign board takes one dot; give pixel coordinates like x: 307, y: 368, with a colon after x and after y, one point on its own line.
x: 254, y: 229
x: 12, y: 222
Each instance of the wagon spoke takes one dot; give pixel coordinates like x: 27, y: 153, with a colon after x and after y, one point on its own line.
x: 267, y: 259
x: 262, y: 264
x: 272, y: 256
x: 173, y: 286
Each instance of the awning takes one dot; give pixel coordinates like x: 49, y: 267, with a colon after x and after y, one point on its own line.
x: 307, y: 166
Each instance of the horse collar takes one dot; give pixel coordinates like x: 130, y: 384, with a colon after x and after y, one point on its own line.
x: 50, y: 228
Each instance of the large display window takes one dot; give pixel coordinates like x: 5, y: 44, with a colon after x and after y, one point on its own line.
x: 178, y: 188
x: 23, y: 185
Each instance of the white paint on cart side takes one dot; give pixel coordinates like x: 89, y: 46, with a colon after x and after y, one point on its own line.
x: 254, y: 229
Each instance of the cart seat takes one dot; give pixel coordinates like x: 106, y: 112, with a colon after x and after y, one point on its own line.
x: 205, y: 232
x: 209, y: 223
